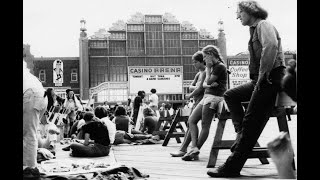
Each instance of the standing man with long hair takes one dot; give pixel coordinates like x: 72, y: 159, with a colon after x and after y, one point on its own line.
x: 266, y: 71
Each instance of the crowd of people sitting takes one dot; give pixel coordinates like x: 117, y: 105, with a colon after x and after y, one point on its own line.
x: 92, y: 131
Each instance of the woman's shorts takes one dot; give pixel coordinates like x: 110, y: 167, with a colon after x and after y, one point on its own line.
x: 212, y: 99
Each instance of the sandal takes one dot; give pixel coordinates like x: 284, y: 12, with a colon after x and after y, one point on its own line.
x: 191, y: 155
x: 178, y: 154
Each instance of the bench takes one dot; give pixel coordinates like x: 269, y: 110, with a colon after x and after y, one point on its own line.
x: 179, y: 122
x: 163, y: 124
x: 262, y: 153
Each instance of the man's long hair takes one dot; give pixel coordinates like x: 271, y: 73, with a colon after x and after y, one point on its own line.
x: 253, y: 8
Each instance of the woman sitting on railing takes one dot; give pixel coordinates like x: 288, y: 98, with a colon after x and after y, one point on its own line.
x: 216, y: 71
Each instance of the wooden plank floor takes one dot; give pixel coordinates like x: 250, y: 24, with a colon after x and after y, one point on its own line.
x: 155, y: 160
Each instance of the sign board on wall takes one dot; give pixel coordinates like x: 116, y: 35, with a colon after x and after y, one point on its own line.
x: 165, y: 79
x: 239, y: 72
x: 58, y: 72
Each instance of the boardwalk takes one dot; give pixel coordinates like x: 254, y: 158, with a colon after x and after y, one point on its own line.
x: 156, y: 161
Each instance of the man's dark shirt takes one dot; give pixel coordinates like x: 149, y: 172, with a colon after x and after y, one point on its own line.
x: 98, y: 132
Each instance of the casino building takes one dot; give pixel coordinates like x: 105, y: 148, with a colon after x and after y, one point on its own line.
x: 108, y: 58
x: 146, y: 51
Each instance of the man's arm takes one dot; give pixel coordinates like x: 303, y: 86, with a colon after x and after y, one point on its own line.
x: 268, y: 39
x: 193, y: 86
x: 198, y: 88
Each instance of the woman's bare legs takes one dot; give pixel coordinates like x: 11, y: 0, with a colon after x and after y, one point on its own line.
x: 207, y: 116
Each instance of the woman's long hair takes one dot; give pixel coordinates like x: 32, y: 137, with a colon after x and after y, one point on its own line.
x: 214, y: 51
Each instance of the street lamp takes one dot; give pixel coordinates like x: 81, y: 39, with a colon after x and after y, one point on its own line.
x: 220, y: 25
x: 83, y: 25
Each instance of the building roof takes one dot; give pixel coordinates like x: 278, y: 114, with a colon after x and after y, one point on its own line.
x: 54, y: 58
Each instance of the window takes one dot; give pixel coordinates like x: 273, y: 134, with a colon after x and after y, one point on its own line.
x: 98, y: 71
x: 74, y: 75
x: 118, y: 69
x: 42, y: 75
x: 112, y: 95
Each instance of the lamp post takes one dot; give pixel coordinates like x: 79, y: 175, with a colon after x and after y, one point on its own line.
x: 83, y: 25
x: 222, y: 42
x: 220, y: 25
x: 83, y: 28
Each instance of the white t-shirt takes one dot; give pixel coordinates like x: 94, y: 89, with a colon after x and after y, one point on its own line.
x: 154, y: 100
x: 111, y: 128
x: 80, y: 123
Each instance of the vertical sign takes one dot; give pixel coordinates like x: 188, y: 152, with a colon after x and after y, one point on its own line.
x: 58, y: 72
x: 239, y: 72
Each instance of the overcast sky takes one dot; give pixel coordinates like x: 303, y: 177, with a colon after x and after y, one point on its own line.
x: 52, y: 27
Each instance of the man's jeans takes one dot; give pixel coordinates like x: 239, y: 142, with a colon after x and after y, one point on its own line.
x: 92, y: 150
x: 34, y: 106
x: 249, y: 125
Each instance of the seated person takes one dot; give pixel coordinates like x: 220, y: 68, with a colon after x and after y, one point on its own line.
x: 48, y: 140
x: 121, y: 119
x: 150, y: 121
x: 289, y: 81
x: 289, y: 84
x: 74, y: 130
x: 162, y: 107
x: 123, y: 134
x: 96, y: 141
x: 101, y: 113
x: 46, y: 143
